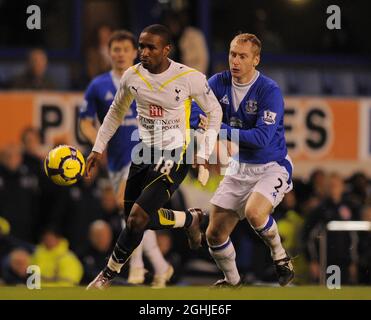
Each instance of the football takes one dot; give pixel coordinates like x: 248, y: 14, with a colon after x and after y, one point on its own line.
x: 64, y: 165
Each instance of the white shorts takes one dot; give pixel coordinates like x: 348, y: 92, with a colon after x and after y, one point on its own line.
x: 242, y: 179
x: 116, y: 177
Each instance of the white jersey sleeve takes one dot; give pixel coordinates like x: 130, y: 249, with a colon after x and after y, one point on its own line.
x: 115, y: 114
x: 205, y: 98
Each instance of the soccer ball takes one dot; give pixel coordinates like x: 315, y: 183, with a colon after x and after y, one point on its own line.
x: 64, y: 165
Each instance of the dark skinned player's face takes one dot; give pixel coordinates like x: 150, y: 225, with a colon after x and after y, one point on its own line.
x: 152, y: 51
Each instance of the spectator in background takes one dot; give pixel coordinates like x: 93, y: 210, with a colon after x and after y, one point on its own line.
x: 272, y: 41
x: 341, y: 246
x: 35, y: 76
x: 94, y: 256
x: 98, y: 59
x: 8, y: 243
x: 33, y: 158
x: 359, y: 190
x: 290, y: 223
x: 14, y: 267
x: 31, y: 140
x: 60, y: 267
x: 316, y: 191
x: 75, y: 208
x: 19, y: 200
x: 189, y: 45
x: 110, y: 209
x: 33, y: 153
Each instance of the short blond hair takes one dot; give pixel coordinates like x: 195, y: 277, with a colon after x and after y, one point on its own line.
x: 245, y: 37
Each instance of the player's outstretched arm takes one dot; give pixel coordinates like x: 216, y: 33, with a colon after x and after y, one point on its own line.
x: 92, y: 162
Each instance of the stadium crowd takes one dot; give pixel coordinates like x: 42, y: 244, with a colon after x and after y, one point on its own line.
x: 69, y: 231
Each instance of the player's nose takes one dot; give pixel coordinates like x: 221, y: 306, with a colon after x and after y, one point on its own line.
x: 144, y: 53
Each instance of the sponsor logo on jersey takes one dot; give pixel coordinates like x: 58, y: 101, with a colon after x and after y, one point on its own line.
x: 236, y: 122
x: 163, y: 124
x: 156, y: 111
x: 251, y: 107
x: 269, y: 117
x: 109, y: 96
x: 224, y: 100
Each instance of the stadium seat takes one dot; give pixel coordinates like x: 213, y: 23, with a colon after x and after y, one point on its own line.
x: 363, y: 83
x: 277, y: 75
x: 304, y: 82
x: 339, y: 83
x: 9, y: 71
x: 61, y: 75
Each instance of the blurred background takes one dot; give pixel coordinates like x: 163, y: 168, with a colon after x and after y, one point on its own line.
x: 324, y: 74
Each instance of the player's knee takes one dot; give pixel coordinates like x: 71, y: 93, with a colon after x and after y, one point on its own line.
x: 215, y: 236
x: 252, y: 214
x: 138, y: 220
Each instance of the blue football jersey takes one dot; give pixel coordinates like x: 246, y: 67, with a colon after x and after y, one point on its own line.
x: 98, y: 99
x: 259, y: 119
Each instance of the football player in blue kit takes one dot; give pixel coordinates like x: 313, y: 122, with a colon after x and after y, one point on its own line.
x: 259, y: 175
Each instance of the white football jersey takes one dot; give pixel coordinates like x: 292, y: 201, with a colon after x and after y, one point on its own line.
x: 163, y: 104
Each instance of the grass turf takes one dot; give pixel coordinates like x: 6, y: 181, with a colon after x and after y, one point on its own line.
x: 188, y: 293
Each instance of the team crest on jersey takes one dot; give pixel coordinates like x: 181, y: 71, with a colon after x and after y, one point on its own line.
x: 251, y: 107
x: 109, y: 96
x: 177, y: 91
x: 224, y: 100
x: 269, y: 117
x: 155, y: 111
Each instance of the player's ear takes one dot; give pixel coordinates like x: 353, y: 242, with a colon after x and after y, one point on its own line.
x: 256, y: 60
x: 167, y: 50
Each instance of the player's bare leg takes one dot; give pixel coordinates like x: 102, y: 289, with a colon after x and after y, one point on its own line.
x: 258, y: 212
x: 221, y: 224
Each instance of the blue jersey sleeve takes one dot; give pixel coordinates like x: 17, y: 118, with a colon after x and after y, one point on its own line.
x: 89, y: 107
x: 195, y: 115
x: 269, y: 116
x: 196, y: 110
x: 213, y: 81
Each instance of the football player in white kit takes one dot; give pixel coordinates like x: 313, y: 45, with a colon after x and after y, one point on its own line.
x: 98, y: 98
x: 163, y: 91
x: 259, y: 175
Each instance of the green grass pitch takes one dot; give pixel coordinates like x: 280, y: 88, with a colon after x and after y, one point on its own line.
x: 188, y: 293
